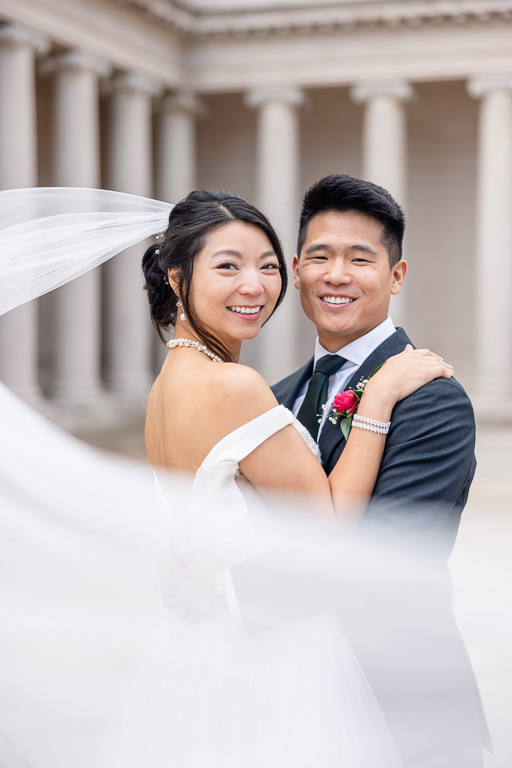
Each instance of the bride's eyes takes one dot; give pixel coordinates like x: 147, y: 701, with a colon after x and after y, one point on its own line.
x: 226, y: 265
x: 230, y: 267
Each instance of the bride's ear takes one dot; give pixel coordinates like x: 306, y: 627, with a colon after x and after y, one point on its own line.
x: 174, y: 276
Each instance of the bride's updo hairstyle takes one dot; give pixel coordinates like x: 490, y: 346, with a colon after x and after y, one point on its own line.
x: 190, y: 223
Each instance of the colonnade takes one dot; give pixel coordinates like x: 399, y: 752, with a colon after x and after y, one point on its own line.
x: 143, y: 122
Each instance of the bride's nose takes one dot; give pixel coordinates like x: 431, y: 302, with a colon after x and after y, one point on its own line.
x: 251, y: 283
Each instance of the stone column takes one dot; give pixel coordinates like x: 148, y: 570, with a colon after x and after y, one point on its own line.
x: 493, y: 309
x: 128, y: 330
x: 384, y: 158
x: 384, y: 134
x: 76, y: 307
x: 18, y: 168
x: 176, y: 161
x: 279, y: 195
x: 176, y: 158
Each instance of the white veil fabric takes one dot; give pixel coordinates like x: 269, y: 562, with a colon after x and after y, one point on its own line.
x: 86, y: 539
x: 49, y: 236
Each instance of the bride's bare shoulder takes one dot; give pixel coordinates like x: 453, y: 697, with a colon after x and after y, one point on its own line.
x: 237, y: 394
x: 232, y: 376
x: 196, y: 403
x: 207, y: 402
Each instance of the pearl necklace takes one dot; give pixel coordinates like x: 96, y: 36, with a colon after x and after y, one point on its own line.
x: 196, y: 344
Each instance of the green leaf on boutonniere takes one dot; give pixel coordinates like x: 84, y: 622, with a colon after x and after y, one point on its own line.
x: 375, y: 370
x: 345, y: 425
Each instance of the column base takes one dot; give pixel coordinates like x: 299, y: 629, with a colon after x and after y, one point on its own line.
x: 131, y: 390
x: 32, y: 394
x: 77, y: 393
x: 75, y: 407
x: 100, y: 415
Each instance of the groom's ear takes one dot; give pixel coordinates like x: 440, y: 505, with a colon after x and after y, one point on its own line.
x: 295, y: 267
x: 399, y: 271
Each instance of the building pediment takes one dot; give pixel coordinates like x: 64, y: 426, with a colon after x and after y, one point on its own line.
x: 221, y: 18
x: 213, y: 46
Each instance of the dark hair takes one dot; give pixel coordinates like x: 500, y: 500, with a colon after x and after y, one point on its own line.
x: 343, y: 193
x: 190, y: 222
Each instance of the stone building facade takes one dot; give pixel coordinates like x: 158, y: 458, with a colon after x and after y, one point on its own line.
x: 156, y: 97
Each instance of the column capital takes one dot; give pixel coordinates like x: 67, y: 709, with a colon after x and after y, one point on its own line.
x: 478, y: 87
x: 183, y: 103
x: 288, y: 94
x: 76, y: 60
x: 16, y: 34
x: 133, y: 82
x: 396, y: 89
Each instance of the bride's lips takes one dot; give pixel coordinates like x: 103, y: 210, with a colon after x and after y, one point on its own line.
x: 246, y: 312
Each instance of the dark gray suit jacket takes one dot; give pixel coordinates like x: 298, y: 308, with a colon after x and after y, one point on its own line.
x: 428, y: 461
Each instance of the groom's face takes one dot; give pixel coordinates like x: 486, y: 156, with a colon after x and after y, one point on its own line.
x: 344, y: 276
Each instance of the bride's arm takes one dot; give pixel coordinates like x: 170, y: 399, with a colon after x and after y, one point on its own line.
x: 284, y: 463
x: 355, y: 473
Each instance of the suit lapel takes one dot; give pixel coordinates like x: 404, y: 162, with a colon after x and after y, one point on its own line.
x: 331, y: 439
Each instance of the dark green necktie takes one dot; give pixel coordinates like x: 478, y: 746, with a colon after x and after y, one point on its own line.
x: 310, y: 411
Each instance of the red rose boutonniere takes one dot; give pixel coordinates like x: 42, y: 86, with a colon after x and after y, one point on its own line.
x: 345, y: 404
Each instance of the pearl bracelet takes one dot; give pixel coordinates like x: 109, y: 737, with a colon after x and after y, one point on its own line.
x: 372, y: 425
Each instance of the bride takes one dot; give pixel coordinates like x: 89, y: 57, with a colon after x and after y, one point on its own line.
x: 294, y: 696
x: 206, y: 692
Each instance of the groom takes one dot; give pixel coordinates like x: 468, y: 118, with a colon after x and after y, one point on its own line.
x: 348, y: 264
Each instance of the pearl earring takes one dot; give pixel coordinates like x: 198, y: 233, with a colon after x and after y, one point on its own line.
x: 183, y: 316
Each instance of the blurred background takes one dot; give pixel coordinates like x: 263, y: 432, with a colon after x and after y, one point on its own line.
x: 157, y: 97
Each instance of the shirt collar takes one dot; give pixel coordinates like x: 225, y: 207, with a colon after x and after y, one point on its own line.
x: 358, y: 350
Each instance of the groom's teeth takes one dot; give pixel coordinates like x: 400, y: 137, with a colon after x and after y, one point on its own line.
x: 336, y: 299
x: 245, y: 310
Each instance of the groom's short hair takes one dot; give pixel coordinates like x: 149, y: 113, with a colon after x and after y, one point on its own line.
x: 343, y: 193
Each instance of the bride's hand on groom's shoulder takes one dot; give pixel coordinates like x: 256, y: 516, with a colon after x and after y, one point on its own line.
x: 403, y: 374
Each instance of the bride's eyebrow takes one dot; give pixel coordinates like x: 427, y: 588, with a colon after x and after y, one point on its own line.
x: 238, y: 255
x: 267, y: 254
x: 227, y: 252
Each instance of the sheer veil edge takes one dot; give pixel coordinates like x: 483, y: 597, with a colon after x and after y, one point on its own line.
x: 51, y: 235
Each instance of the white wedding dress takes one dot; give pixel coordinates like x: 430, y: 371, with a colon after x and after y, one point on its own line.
x: 209, y: 695
x: 96, y: 670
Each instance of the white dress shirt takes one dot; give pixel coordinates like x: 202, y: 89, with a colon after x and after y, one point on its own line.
x: 355, y: 354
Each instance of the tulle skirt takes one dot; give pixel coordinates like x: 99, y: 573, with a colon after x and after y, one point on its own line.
x: 208, y: 694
